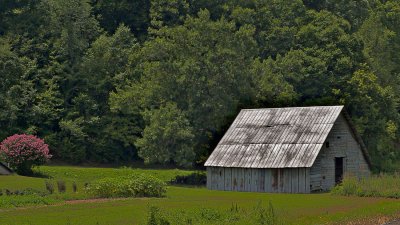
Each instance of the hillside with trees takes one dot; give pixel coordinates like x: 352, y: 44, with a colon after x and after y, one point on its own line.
x: 113, y: 81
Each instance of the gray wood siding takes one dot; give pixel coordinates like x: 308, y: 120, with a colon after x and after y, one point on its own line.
x: 288, y: 180
x: 342, y: 143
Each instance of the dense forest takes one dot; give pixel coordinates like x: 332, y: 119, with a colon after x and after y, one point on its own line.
x: 114, y: 81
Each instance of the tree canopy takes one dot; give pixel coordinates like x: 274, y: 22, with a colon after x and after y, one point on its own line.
x: 160, y: 81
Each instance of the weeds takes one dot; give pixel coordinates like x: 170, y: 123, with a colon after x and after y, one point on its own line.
x: 49, y: 186
x: 74, y: 187
x: 62, y: 188
x: 259, y: 215
x: 155, y: 217
x: 265, y: 216
x: 375, y: 186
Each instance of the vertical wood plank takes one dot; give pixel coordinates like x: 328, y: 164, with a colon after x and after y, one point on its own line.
x: 295, y: 180
x: 254, y: 178
x: 228, y: 179
x: 302, y: 183
x: 275, y: 180
x: 307, y: 180
x: 213, y: 179
x: 287, y: 185
x: 221, y: 178
x: 261, y: 183
x: 281, y: 180
x: 209, y: 177
x: 268, y: 180
x: 234, y: 179
x: 241, y: 179
x: 248, y: 177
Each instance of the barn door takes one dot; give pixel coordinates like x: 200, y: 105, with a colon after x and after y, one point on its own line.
x: 338, y: 170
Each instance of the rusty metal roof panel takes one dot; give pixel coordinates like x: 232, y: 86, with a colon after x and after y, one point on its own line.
x: 275, y: 137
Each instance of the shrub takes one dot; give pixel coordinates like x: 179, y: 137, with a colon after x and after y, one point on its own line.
x: 74, y: 187
x: 155, y: 217
x: 23, y: 151
x: 61, y: 186
x: 133, y: 186
x: 196, y: 178
x: 49, y: 186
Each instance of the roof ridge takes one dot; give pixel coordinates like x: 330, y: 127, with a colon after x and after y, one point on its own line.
x: 295, y: 107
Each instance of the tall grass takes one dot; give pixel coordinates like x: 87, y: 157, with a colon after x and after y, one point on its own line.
x: 259, y: 215
x: 12, y: 201
x: 382, y: 185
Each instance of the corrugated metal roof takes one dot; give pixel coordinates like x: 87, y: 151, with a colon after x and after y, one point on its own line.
x: 275, y: 137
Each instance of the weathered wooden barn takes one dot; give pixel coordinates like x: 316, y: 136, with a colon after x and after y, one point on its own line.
x: 291, y: 150
x: 4, y: 170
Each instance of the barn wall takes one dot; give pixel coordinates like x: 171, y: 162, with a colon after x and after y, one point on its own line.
x: 341, y: 144
x: 288, y: 180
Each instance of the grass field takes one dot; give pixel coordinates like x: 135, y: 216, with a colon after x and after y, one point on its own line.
x: 183, y: 204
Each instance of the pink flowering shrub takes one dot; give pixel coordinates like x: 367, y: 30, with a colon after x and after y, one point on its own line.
x: 23, y: 151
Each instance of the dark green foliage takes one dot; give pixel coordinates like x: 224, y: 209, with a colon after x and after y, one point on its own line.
x: 114, y: 81
x: 197, y: 178
x: 134, y: 14
x: 168, y: 137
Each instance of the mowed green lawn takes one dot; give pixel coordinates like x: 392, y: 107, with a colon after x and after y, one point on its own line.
x: 182, y: 204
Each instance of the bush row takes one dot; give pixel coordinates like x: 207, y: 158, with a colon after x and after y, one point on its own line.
x: 132, y: 186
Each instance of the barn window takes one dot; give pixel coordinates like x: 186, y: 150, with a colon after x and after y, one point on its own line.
x: 327, y: 144
x: 338, y: 137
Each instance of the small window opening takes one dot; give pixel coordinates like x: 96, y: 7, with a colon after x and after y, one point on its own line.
x: 327, y: 144
x: 338, y: 137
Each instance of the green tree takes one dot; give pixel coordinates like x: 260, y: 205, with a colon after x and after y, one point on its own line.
x: 167, y: 138
x: 17, y: 90
x: 204, y: 66
x: 109, y: 135
x: 374, y: 111
x: 167, y: 13
x: 134, y: 14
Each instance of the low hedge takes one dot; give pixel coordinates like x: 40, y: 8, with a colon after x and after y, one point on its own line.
x: 132, y: 186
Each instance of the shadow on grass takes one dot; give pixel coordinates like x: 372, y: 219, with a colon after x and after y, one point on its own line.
x: 195, y: 178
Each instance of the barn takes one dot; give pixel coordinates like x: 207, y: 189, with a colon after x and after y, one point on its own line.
x: 4, y: 170
x: 289, y: 150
